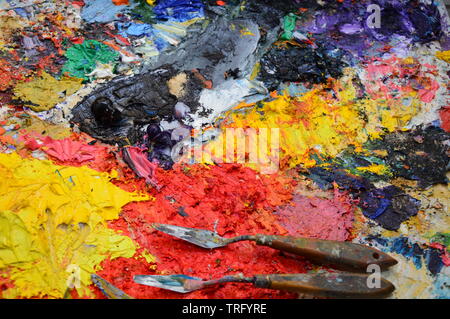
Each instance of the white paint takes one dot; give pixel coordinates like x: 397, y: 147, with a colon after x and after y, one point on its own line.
x: 225, y: 96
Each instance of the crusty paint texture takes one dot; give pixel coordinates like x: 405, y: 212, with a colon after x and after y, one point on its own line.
x: 52, y: 217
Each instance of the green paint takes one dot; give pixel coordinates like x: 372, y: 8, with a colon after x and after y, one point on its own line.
x: 143, y: 12
x: 82, y: 58
x: 288, y: 26
x: 442, y: 238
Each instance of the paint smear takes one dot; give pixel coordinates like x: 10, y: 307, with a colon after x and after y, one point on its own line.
x: 325, y: 120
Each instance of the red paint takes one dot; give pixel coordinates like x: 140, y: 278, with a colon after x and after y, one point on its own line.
x: 32, y: 144
x: 10, y: 75
x: 7, y: 140
x: 120, y: 272
x: 67, y: 150
x: 77, y: 40
x: 5, y: 281
x: 79, y: 3
x: 445, y: 256
x: 207, y: 84
x: 73, y: 151
x: 120, y: 39
x: 238, y: 199
x: 444, y: 113
x: 120, y: 2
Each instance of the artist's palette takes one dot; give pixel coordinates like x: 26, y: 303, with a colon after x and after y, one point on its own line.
x: 318, y: 119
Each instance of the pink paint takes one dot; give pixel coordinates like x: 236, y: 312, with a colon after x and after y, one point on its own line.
x: 380, y: 67
x: 138, y: 161
x: 392, y: 76
x: 427, y: 95
x: 67, y: 150
x: 316, y: 217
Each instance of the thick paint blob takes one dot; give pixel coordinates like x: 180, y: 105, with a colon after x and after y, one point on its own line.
x: 82, y: 58
x: 231, y: 199
x: 52, y: 218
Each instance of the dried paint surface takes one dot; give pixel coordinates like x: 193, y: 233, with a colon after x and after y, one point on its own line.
x: 45, y: 92
x: 316, y: 217
x: 96, y: 95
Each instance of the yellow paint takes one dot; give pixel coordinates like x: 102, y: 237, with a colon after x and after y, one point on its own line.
x: 36, y: 127
x: 151, y: 2
x: 10, y: 25
x: 444, y: 55
x: 320, y: 122
x: 53, y: 218
x: 374, y: 168
x: 46, y: 91
x: 380, y: 153
x: 177, y: 84
x: 433, y: 216
x: 409, y: 60
x: 388, y: 114
x: 149, y: 259
x: 245, y: 31
x: 255, y: 71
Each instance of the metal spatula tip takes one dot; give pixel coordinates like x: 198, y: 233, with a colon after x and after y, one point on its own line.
x: 172, y: 282
x: 199, y: 237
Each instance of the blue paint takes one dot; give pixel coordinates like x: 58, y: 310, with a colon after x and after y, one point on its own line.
x: 135, y: 29
x: 160, y: 43
x: 420, y: 255
x: 179, y: 10
x: 151, y: 113
x: 103, y: 11
x: 441, y: 286
x: 383, y: 205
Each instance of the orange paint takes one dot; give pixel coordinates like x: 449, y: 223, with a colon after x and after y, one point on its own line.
x: 120, y: 2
